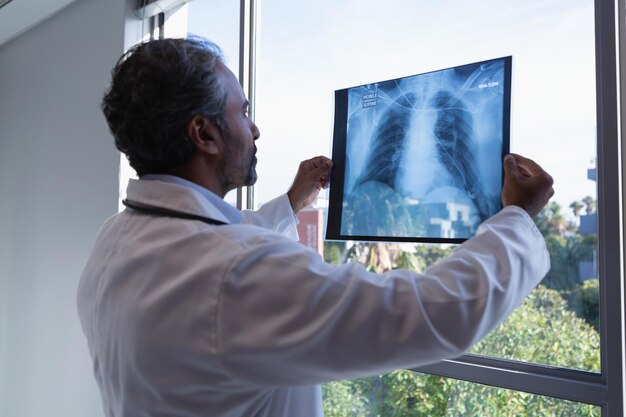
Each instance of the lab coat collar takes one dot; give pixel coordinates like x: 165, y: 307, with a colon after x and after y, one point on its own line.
x: 179, y: 197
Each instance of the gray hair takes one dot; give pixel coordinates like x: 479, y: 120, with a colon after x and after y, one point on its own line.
x: 156, y: 88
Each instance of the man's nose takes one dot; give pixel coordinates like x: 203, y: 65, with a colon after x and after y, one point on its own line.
x: 255, y: 131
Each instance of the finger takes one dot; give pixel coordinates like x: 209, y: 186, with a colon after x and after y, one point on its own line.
x: 324, y: 177
x: 523, y: 171
x: 511, y: 168
x: 534, y: 170
x: 530, y: 167
x: 325, y: 180
x: 322, y: 166
x: 320, y: 161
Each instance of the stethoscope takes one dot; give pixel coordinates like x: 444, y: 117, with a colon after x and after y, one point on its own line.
x: 163, y: 212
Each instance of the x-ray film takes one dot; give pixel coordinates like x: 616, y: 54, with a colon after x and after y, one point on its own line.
x: 419, y: 158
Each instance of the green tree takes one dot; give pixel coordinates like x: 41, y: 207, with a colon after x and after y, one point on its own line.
x: 344, y: 398
x: 382, y: 257
x: 542, y: 330
x: 429, y: 254
x: 334, y: 252
x: 576, y: 206
x: 590, y: 204
x: 566, y: 253
x: 567, y: 247
x: 550, y: 221
x: 585, y: 301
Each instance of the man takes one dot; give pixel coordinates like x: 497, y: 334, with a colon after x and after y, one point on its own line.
x: 192, y: 308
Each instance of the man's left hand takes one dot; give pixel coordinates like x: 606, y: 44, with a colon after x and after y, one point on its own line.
x: 312, y: 176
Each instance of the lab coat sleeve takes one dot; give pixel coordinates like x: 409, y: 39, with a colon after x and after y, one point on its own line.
x: 287, y: 318
x: 276, y: 215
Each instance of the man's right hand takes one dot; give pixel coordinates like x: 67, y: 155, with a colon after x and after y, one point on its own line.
x: 526, y: 184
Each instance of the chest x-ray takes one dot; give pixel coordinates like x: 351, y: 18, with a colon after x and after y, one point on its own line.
x: 419, y: 158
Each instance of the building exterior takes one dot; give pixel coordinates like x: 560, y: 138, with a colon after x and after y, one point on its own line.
x: 311, y: 228
x: 589, y: 226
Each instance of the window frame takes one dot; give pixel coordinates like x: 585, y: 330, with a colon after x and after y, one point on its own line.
x: 604, y: 389
x: 248, y: 28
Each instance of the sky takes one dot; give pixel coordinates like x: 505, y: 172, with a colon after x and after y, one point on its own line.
x: 307, y: 50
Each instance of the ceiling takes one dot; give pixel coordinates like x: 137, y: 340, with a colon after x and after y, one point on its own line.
x: 18, y: 16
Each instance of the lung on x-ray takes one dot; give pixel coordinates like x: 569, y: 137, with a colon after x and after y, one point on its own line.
x: 419, y: 158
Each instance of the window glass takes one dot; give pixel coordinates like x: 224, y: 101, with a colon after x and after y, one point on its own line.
x: 214, y: 20
x: 309, y: 49
x: 409, y: 394
x: 218, y: 21
x: 126, y: 172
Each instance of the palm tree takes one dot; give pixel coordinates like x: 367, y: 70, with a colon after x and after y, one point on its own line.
x: 590, y: 204
x: 576, y: 206
x: 383, y: 257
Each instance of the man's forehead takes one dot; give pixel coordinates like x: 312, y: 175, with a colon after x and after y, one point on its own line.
x: 231, y: 83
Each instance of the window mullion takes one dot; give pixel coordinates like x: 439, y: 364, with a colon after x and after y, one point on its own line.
x: 247, y: 76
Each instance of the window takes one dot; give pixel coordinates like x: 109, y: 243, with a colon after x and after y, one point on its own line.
x: 561, y: 352
x: 218, y: 21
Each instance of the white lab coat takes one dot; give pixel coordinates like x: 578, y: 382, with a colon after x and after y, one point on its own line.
x: 188, y: 319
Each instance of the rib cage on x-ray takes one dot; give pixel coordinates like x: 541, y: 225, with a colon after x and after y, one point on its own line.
x: 452, y: 132
x: 387, y: 149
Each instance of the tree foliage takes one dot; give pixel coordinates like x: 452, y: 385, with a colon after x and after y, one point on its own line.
x: 542, y: 330
x: 334, y: 252
x: 568, y: 248
x: 585, y: 301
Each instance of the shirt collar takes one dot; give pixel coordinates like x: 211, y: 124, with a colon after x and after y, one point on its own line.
x: 233, y: 215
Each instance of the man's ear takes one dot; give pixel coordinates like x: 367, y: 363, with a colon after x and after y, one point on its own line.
x: 204, y: 134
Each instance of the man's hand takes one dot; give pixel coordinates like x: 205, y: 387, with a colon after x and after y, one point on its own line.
x: 312, y: 176
x: 526, y: 184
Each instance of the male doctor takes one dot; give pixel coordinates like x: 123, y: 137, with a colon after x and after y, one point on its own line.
x: 193, y: 308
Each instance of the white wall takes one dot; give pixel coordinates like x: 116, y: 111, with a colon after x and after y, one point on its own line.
x: 19, y: 16
x: 58, y: 183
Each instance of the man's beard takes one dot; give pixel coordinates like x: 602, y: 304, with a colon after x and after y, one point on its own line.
x: 226, y: 179
x: 252, y: 176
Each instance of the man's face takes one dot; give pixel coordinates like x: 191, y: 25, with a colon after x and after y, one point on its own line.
x: 238, y: 165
